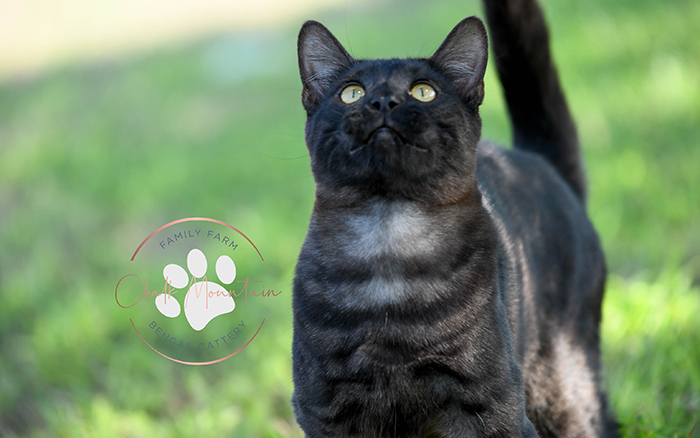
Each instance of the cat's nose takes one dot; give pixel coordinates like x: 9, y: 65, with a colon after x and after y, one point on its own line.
x: 384, y: 103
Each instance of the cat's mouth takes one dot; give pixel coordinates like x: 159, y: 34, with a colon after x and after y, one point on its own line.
x: 386, y: 135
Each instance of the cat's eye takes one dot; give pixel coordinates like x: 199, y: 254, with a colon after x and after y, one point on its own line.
x: 352, y: 93
x: 423, y: 92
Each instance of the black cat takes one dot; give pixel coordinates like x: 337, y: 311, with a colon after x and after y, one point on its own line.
x: 446, y: 287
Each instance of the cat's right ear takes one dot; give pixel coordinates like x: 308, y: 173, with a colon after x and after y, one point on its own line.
x: 321, y: 60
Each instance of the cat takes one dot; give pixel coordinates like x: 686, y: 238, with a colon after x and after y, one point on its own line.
x: 447, y: 287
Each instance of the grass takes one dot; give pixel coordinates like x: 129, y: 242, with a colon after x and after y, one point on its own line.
x: 94, y: 158
x: 652, y: 354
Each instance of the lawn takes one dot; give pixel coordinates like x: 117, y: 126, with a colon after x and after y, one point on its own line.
x: 94, y: 158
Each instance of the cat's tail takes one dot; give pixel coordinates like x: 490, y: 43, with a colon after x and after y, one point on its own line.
x: 540, y: 117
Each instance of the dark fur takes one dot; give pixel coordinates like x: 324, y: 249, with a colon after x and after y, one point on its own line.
x: 446, y: 287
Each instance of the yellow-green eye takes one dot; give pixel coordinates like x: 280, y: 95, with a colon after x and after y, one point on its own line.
x: 352, y: 93
x: 423, y: 92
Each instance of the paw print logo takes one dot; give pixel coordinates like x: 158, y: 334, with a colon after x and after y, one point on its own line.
x: 205, y: 300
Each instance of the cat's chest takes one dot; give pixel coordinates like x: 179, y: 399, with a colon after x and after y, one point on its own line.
x: 381, y: 254
x: 389, y: 232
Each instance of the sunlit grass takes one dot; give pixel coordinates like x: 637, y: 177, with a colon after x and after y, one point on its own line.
x: 652, y: 351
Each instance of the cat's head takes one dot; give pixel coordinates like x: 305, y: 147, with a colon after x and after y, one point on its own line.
x: 395, y: 128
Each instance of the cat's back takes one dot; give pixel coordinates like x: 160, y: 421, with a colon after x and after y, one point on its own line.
x: 554, y: 261
x: 524, y: 190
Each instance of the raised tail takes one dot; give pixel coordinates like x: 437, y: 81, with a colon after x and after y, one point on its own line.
x: 540, y: 117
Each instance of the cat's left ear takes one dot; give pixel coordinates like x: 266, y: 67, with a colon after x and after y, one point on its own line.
x: 462, y: 57
x: 321, y: 60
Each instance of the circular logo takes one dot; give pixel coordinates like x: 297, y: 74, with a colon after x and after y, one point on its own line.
x: 195, y: 293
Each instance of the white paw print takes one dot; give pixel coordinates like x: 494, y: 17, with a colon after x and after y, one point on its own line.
x: 205, y: 300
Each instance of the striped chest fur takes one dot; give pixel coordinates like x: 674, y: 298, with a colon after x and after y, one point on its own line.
x: 383, y: 254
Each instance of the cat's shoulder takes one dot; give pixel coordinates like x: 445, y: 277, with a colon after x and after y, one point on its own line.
x: 500, y: 171
x: 525, y: 194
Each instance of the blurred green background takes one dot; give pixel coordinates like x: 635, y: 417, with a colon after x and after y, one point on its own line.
x: 94, y: 156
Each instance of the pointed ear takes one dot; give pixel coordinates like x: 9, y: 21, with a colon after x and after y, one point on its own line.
x: 462, y: 58
x: 321, y: 60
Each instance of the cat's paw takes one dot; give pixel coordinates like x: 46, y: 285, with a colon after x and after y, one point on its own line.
x: 205, y: 300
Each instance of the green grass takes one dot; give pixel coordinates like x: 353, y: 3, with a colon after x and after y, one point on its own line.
x: 651, y: 336
x: 94, y: 158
